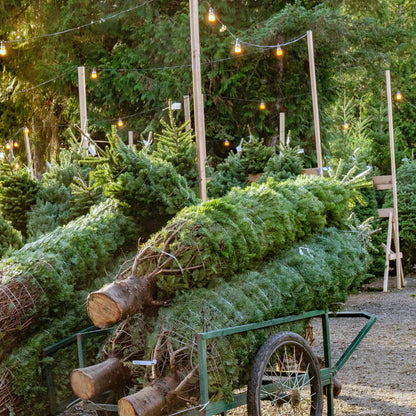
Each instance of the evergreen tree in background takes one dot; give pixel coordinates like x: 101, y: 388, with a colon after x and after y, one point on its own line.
x: 17, y: 194
x: 10, y: 239
x: 176, y: 145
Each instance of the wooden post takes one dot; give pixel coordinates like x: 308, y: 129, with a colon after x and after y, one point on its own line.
x: 28, y: 152
x: 282, y: 132
x: 131, y: 139
x: 187, y: 109
x: 198, y: 99
x: 399, y: 276
x: 82, y: 104
x: 315, y: 102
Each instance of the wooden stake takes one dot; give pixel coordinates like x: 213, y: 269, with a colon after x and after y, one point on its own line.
x: 187, y: 109
x: 28, y: 152
x: 315, y: 102
x: 82, y: 104
x: 198, y: 99
x: 399, y: 278
x: 282, y: 131
x: 131, y: 139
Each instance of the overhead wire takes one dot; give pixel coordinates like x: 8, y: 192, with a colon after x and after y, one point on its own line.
x: 101, y: 20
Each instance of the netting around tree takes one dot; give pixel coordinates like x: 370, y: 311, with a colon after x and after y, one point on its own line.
x: 311, y: 275
x: 41, y: 279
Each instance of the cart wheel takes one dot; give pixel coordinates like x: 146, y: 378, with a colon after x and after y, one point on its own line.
x: 285, y: 378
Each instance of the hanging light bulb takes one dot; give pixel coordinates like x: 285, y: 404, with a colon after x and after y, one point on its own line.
x: 279, y: 51
x: 3, y: 50
x: 15, y: 144
x: 17, y: 166
x: 226, y: 143
x: 262, y: 105
x: 25, y: 130
x: 94, y: 74
x: 120, y: 122
x: 346, y: 125
x: 223, y: 28
x: 211, y: 15
x: 8, y: 146
x: 399, y: 96
x: 237, y: 47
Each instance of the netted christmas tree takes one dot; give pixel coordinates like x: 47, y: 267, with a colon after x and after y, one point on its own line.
x: 42, y: 279
x: 312, y: 275
x: 219, y: 238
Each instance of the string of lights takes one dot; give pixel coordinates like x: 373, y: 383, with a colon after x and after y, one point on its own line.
x: 101, y: 20
x: 212, y: 18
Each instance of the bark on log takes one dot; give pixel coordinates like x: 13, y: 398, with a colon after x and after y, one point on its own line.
x: 149, y: 401
x: 118, y: 300
x: 89, y: 382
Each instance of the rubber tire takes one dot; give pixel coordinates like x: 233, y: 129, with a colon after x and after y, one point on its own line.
x: 260, y: 362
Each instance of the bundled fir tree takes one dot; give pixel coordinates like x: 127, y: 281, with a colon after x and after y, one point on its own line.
x: 44, y: 277
x: 313, y: 275
x: 219, y: 238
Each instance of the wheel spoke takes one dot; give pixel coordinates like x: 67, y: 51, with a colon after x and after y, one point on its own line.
x: 289, y: 379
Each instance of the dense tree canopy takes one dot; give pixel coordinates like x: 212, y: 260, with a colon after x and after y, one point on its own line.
x: 141, y: 51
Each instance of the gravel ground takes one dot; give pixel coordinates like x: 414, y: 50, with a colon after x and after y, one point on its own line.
x: 380, y: 377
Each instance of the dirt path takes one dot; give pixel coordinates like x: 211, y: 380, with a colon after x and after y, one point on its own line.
x: 380, y: 377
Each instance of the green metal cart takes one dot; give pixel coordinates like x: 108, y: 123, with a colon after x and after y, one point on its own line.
x: 285, y: 378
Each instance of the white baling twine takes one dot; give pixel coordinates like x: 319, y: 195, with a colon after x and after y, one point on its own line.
x: 201, y: 407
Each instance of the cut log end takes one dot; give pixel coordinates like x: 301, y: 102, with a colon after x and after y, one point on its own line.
x: 125, y: 408
x: 103, y: 310
x: 149, y: 401
x: 82, y: 384
x: 92, y: 381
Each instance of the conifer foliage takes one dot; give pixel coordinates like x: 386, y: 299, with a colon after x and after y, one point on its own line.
x: 176, y: 145
x: 219, y: 238
x: 10, y: 239
x: 17, y: 194
x: 148, y: 188
x: 311, y: 275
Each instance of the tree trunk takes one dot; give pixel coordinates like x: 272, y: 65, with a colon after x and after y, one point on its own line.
x: 118, y: 300
x: 91, y: 381
x: 149, y: 401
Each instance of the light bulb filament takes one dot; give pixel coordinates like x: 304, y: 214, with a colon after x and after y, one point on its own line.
x: 237, y: 47
x: 3, y: 50
x: 94, y: 74
x: 279, y: 51
x: 399, y: 96
x: 211, y: 15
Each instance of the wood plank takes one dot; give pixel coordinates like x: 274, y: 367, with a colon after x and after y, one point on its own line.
x: 385, y: 212
x: 388, y: 246
x: 310, y: 171
x: 393, y: 256
x: 383, y: 182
